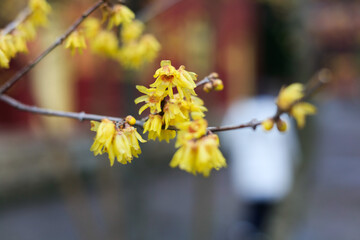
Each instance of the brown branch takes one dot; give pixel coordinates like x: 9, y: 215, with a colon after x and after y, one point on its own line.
x: 81, y: 116
x: 8, y: 84
x: 23, y: 15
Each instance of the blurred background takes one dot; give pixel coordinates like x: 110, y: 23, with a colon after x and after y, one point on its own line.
x: 52, y: 187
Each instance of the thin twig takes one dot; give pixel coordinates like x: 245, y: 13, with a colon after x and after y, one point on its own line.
x: 320, y: 79
x: 23, y: 15
x: 81, y: 116
x: 8, y: 84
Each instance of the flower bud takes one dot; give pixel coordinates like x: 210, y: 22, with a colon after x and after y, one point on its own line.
x: 130, y: 120
x: 208, y: 87
x: 281, y: 125
x: 218, y: 85
x: 268, y: 124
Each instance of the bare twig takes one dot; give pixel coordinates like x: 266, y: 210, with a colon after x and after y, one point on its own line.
x: 81, y: 116
x: 23, y: 15
x: 8, y: 84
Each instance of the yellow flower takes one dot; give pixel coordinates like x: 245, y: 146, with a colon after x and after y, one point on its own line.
x: 92, y: 27
x: 76, y: 40
x: 199, y: 156
x: 152, y: 100
x: 154, y: 126
x: 7, y: 45
x: 27, y: 30
x: 121, y: 143
x: 149, y: 46
x: 132, y: 31
x: 20, y: 42
x: 300, y: 110
x: 288, y: 95
x: 4, y: 60
x: 166, y: 78
x: 291, y: 94
x: 186, y: 84
x: 125, y: 145
x: 120, y: 14
x: 39, y: 5
x: 130, y: 55
x: 191, y: 130
x: 104, y: 136
x: 173, y: 114
x: 105, y: 43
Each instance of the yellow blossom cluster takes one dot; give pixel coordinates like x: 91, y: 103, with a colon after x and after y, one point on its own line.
x: 198, y: 152
x: 290, y: 100
x: 131, y: 47
x: 120, y: 142
x: 13, y: 42
x: 166, y: 107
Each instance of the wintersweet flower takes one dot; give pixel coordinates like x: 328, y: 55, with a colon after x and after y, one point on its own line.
x: 299, y: 112
x: 120, y: 14
x: 4, y: 60
x: 288, y: 95
x: 149, y: 46
x: 132, y: 31
x: 186, y: 84
x: 199, y: 156
x: 40, y: 10
x: 191, y: 130
x: 125, y: 145
x: 105, y: 132
x: 76, y: 41
x: 105, y: 43
x: 154, y: 126
x: 92, y: 27
x: 27, y: 30
x: 287, y: 99
x: 166, y: 78
x: 7, y: 46
x: 173, y: 114
x: 151, y: 98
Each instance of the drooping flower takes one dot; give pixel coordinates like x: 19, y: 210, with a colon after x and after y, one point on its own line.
x: 105, y: 43
x: 191, y: 130
x: 105, y: 132
x: 121, y: 143
x: 4, y: 60
x: 151, y: 98
x: 132, y: 31
x: 288, y: 101
x: 92, y: 27
x: 149, y: 46
x: 288, y: 95
x: 155, y: 128
x: 120, y: 14
x: 299, y: 112
x: 199, y: 156
x: 76, y: 41
x: 40, y: 10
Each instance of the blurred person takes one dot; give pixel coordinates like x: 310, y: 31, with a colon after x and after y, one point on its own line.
x: 261, y: 164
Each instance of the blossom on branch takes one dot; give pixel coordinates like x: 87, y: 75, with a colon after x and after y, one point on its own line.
x: 289, y: 100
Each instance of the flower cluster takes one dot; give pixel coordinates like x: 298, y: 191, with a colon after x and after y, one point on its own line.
x: 166, y: 107
x: 131, y: 47
x: 14, y: 42
x: 198, y: 152
x: 290, y: 101
x: 120, y: 142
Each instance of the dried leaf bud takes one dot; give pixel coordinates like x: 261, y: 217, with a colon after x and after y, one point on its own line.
x: 268, y: 124
x: 281, y: 125
x: 218, y: 85
x: 130, y: 120
x: 208, y: 87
